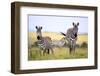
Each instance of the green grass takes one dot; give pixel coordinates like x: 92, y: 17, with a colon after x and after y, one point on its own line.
x: 59, y: 53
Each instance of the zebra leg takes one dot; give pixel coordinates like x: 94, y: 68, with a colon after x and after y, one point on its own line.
x: 40, y: 52
x: 52, y: 51
x: 74, y: 49
x: 74, y: 46
x: 44, y: 51
x: 70, y: 50
x: 48, y: 51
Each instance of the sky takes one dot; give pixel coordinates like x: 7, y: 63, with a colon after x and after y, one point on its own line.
x: 57, y: 23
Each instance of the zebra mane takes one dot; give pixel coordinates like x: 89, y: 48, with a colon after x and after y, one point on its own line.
x: 63, y: 33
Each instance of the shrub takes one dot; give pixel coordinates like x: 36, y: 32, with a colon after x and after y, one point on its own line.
x: 84, y: 44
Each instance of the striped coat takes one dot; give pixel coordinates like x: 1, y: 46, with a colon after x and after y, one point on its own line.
x: 71, y: 36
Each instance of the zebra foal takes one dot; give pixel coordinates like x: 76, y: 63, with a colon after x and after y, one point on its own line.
x: 45, y: 43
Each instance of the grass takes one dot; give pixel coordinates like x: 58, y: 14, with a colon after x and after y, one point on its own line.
x: 59, y: 53
x: 56, y: 36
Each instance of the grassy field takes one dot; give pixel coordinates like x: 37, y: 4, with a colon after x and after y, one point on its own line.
x: 59, y: 53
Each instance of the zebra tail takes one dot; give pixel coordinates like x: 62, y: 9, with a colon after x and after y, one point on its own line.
x: 63, y: 33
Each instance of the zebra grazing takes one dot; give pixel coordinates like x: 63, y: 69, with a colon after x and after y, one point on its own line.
x: 44, y: 42
x: 71, y: 36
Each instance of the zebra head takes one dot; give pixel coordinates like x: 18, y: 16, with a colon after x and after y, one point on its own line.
x: 39, y: 33
x: 75, y: 28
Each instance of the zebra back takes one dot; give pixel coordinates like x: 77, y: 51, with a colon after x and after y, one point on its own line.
x: 45, y: 43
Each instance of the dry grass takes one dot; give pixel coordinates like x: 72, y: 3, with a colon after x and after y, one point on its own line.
x: 60, y: 53
x: 56, y: 36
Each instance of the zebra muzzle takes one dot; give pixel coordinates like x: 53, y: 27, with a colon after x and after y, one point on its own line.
x: 38, y: 37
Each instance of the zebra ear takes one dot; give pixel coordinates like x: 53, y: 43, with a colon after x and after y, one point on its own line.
x: 78, y: 24
x: 41, y: 27
x: 36, y: 27
x: 73, y: 24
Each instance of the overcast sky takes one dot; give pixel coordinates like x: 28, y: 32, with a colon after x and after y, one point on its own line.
x: 57, y: 23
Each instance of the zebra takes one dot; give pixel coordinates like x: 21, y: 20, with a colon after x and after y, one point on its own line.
x: 71, y: 36
x: 59, y: 43
x: 45, y: 43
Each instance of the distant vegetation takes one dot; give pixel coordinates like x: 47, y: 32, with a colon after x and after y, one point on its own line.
x: 60, y: 52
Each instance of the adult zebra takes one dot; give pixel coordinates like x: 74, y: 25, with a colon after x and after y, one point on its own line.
x: 45, y: 43
x: 71, y: 36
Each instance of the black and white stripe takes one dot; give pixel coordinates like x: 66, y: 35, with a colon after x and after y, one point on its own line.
x: 71, y: 36
x: 44, y: 43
